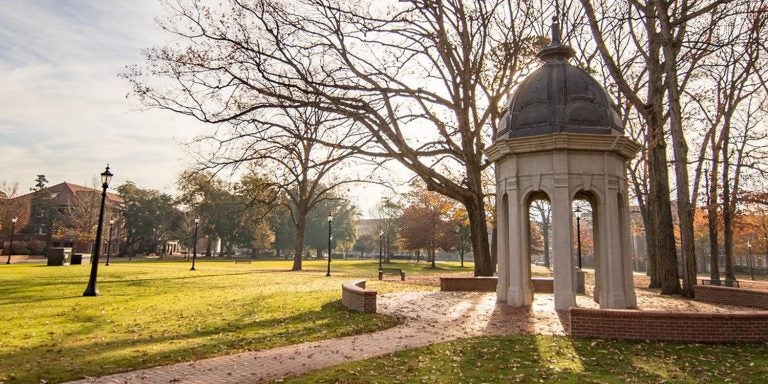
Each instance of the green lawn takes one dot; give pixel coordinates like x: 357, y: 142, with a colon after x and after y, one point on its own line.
x: 551, y: 359
x: 153, y: 313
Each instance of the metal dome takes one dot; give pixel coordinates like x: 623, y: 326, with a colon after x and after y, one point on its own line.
x: 559, y: 98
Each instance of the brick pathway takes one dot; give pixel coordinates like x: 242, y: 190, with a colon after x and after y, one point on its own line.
x: 426, y: 318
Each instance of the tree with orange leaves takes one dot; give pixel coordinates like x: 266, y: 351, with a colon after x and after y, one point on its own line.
x: 429, y: 222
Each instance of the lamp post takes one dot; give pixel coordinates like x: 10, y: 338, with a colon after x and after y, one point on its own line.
x: 751, y: 262
x: 578, y: 233
x: 109, y: 240
x: 330, y: 222
x: 381, y: 246
x: 91, y: 289
x: 13, y: 228
x: 194, y: 246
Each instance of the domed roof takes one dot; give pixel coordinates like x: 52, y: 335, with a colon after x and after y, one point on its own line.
x: 559, y: 97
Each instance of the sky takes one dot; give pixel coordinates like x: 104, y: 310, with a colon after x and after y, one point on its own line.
x: 64, y: 112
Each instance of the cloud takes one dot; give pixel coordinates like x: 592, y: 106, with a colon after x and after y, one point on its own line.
x: 63, y: 110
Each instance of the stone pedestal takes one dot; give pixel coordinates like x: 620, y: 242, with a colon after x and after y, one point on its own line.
x: 580, y: 282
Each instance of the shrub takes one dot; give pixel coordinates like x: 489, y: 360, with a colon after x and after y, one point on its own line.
x: 36, y: 247
x: 20, y: 248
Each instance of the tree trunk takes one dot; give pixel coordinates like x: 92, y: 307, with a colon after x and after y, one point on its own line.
x: 660, y: 212
x: 714, y: 251
x: 386, y: 249
x: 685, y: 215
x: 432, y: 251
x: 727, y: 215
x: 659, y: 204
x: 494, y: 249
x: 479, y: 237
x: 546, y: 245
x: 298, y: 245
x: 652, y: 269
x: 671, y: 48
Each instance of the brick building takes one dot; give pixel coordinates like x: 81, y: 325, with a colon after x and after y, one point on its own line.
x: 62, y: 215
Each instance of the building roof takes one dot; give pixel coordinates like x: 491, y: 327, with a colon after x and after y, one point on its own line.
x: 64, y: 191
x: 559, y: 97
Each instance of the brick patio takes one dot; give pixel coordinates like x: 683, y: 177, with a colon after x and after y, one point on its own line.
x: 425, y: 317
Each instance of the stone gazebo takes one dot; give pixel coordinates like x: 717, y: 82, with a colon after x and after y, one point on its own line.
x: 561, y: 138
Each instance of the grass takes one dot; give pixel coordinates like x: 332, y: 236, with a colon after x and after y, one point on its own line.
x: 155, y: 313
x: 546, y: 359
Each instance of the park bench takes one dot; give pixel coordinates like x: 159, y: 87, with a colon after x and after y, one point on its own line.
x: 723, y: 283
x: 392, y: 271
x: 244, y: 261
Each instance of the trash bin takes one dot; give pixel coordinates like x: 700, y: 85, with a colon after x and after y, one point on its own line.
x: 77, y: 259
x: 59, y: 256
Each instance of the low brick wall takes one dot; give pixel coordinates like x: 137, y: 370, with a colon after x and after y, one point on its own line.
x: 476, y: 284
x: 749, y: 284
x: 488, y: 284
x: 731, y: 296
x: 16, y: 258
x: 354, y: 296
x: 758, y: 285
x: 543, y: 284
x: 670, y: 326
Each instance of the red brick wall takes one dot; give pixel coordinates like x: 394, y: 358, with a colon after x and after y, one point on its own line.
x: 488, y: 284
x: 731, y: 296
x: 669, y: 326
x: 760, y: 285
x: 355, y: 297
x: 478, y: 284
x: 543, y: 285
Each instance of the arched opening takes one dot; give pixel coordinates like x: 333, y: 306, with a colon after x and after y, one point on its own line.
x: 586, y: 242
x: 539, y: 242
x: 540, y: 231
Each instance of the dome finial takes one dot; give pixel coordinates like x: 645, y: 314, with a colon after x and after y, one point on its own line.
x: 555, y: 31
x: 555, y: 50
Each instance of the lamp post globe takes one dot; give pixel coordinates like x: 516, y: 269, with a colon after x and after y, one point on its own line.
x: 330, y: 222
x: 194, y: 245
x: 92, y: 289
x: 13, y: 228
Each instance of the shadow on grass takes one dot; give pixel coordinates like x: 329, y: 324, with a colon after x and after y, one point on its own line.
x: 491, y: 359
x: 10, y: 291
x: 92, y: 356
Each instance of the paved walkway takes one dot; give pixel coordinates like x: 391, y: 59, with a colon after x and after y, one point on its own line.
x: 426, y: 318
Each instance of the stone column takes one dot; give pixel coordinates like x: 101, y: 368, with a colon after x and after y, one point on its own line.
x: 565, y: 294
x: 626, y: 256
x: 612, y: 292
x: 519, y: 292
x: 502, y: 242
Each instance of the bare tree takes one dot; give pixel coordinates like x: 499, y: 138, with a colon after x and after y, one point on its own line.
x: 425, y: 78
x: 733, y: 71
x: 677, y: 39
x: 79, y: 218
x: 9, y: 207
x: 287, y: 149
x: 636, y: 21
x: 542, y: 215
